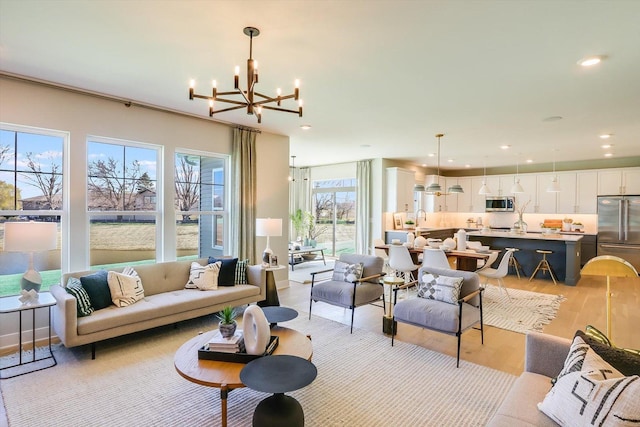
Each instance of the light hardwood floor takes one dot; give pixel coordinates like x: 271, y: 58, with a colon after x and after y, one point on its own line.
x: 502, y: 349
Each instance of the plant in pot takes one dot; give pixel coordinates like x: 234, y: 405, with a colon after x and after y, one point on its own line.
x: 299, y: 223
x: 227, y: 325
x: 409, y: 223
x: 314, y: 230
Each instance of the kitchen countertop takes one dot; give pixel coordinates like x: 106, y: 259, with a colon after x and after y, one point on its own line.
x: 529, y: 236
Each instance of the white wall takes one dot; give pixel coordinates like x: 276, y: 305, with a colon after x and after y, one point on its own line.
x: 30, y: 104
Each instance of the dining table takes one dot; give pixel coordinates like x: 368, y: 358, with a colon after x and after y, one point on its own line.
x: 465, y: 260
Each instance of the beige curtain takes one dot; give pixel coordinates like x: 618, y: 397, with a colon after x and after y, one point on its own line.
x: 363, y: 207
x: 244, y: 212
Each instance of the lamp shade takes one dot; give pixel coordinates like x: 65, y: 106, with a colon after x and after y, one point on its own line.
x: 268, y: 227
x: 30, y: 236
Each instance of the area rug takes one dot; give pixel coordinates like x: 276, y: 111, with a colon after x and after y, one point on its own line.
x: 302, y: 272
x: 362, y: 381
x: 525, y: 311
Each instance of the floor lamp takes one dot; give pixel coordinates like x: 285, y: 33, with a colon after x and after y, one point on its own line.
x: 30, y: 237
x: 609, y: 266
x: 267, y: 227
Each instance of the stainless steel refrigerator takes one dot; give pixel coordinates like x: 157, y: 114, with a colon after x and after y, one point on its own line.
x: 619, y: 227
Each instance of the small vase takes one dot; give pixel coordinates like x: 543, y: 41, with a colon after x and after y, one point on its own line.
x: 520, y: 226
x: 227, y: 329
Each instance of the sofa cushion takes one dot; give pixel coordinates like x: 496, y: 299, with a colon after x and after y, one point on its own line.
x: 97, y: 287
x: 341, y: 292
x: 519, y: 406
x: 227, y: 276
x: 435, y: 315
x: 625, y: 361
x: 345, y: 272
x: 83, y: 303
x: 203, y: 277
x: 125, y: 289
x: 589, y: 391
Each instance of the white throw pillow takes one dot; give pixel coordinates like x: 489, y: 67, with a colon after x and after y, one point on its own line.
x: 440, y: 288
x: 204, y: 277
x: 125, y: 290
x: 345, y: 272
x: 589, y: 391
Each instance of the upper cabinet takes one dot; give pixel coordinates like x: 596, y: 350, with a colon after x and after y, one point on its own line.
x: 586, y: 193
x: 619, y: 181
x: 545, y: 201
x: 400, y: 194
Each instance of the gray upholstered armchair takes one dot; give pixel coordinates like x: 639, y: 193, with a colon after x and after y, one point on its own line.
x: 451, y: 317
x: 349, y: 287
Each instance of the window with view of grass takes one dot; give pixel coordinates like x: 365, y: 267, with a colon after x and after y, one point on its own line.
x: 123, y: 202
x: 201, y: 204
x: 333, y: 222
x: 31, y: 177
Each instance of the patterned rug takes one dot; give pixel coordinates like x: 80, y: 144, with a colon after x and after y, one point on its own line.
x: 525, y: 311
x: 362, y: 381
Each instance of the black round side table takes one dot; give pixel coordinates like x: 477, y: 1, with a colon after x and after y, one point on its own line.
x: 279, y: 314
x: 278, y: 375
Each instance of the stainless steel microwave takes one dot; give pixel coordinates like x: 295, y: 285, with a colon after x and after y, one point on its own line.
x: 499, y: 204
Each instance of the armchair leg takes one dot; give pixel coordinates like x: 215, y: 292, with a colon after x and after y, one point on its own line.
x: 458, y: 359
x: 393, y: 329
x: 481, y: 322
x: 353, y: 311
x: 310, y: 304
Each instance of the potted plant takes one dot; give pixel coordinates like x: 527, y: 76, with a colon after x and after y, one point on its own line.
x: 409, y: 223
x: 299, y: 223
x: 227, y: 325
x: 313, y: 231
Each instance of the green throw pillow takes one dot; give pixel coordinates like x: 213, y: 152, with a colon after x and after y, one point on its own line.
x: 97, y: 287
x: 83, y: 303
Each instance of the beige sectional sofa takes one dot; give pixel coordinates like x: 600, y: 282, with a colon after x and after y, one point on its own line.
x: 165, y: 301
x: 544, y: 359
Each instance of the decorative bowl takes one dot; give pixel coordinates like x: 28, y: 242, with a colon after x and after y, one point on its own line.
x: 309, y: 257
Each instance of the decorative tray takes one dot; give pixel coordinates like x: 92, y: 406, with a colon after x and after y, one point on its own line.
x: 206, y: 354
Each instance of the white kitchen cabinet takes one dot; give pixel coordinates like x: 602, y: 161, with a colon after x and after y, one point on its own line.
x: 465, y: 199
x: 587, y: 193
x: 400, y: 183
x: 450, y: 200
x: 619, y: 181
x: 528, y: 183
x: 477, y: 200
x: 566, y: 199
x: 546, y: 202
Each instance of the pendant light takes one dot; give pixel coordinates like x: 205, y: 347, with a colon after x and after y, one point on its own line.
x: 554, y: 186
x: 516, y: 187
x: 434, y: 188
x: 292, y: 169
x: 484, y: 189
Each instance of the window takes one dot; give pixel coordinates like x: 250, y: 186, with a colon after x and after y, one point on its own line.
x: 123, y: 194
x: 31, y: 189
x: 201, y: 204
x: 334, y: 204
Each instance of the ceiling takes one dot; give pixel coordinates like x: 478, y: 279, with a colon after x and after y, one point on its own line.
x: 378, y: 78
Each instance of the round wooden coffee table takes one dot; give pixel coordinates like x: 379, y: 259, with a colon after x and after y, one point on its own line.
x: 226, y: 375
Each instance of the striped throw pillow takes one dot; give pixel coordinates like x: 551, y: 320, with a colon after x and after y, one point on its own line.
x: 241, y: 272
x: 83, y: 303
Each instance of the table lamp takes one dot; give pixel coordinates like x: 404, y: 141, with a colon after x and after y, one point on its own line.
x: 610, y: 266
x: 267, y: 227
x: 30, y: 237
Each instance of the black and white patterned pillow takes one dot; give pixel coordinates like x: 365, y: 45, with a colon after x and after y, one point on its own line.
x: 590, y: 391
x: 440, y: 288
x: 345, y: 272
x: 241, y: 272
x: 83, y: 303
x: 203, y: 277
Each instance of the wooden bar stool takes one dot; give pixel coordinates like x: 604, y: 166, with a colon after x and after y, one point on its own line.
x: 544, y: 265
x: 513, y: 262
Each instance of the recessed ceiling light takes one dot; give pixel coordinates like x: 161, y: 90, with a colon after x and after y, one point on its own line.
x: 529, y: 160
x: 590, y: 61
x: 605, y: 146
x: 467, y: 165
x: 608, y: 154
x: 431, y: 154
x: 606, y: 135
x: 424, y: 165
x: 450, y: 160
x: 305, y: 127
x: 505, y: 147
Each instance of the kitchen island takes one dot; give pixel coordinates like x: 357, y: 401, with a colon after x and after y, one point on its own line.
x: 565, y: 258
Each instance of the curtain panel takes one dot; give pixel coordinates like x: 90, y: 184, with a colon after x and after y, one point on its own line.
x: 244, y: 212
x: 363, y: 207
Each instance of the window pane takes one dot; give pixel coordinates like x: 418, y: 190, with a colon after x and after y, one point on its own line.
x: 8, y: 198
x: 121, y: 177
x: 114, y: 241
x: 14, y: 264
x: 200, y: 236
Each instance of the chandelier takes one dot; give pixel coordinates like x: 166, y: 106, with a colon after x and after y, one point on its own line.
x: 434, y: 188
x: 253, y: 101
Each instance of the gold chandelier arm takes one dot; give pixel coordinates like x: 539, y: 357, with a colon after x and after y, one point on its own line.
x: 267, y: 107
x: 211, y: 113
x: 231, y: 101
x: 272, y: 99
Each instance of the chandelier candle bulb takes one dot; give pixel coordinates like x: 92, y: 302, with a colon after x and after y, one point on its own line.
x: 214, y: 91
x: 192, y: 84
x: 296, y: 91
x: 236, y: 77
x: 211, y: 107
x: 300, y: 108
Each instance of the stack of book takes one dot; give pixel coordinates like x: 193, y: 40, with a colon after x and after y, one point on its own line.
x: 233, y: 344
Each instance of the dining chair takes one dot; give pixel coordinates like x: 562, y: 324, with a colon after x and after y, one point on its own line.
x: 498, y: 273
x: 400, y: 261
x: 493, y: 256
x: 432, y: 257
x: 381, y: 253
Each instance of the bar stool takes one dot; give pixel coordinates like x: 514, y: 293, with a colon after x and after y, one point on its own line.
x: 513, y: 262
x: 544, y: 265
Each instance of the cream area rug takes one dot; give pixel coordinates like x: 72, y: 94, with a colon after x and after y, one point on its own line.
x: 302, y: 272
x: 362, y: 381
x: 524, y: 311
